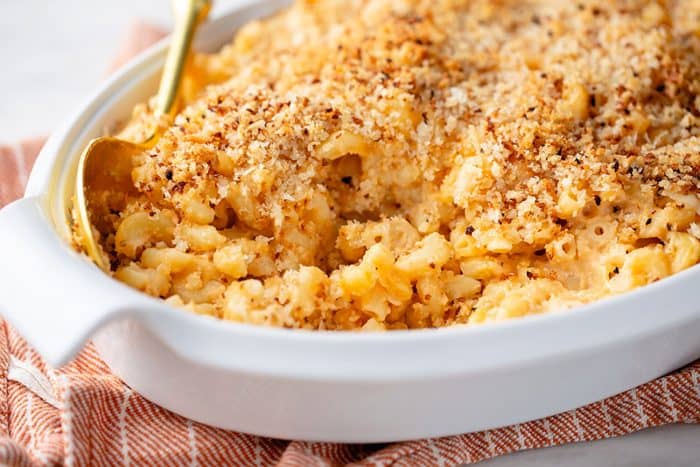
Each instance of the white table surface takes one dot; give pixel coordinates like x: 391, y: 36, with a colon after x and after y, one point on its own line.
x: 53, y: 54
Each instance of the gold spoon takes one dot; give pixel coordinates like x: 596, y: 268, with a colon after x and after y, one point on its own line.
x: 106, y: 162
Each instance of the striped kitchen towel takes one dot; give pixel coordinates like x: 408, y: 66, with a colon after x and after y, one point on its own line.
x: 84, y: 415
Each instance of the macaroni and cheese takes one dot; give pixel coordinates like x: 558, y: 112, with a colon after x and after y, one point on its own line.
x: 393, y: 164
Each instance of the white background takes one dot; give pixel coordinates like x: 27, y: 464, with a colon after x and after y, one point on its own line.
x: 54, y: 52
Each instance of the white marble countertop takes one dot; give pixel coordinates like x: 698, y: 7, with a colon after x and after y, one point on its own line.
x: 54, y: 53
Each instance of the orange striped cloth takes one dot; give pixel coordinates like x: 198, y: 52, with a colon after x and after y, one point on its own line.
x: 84, y: 415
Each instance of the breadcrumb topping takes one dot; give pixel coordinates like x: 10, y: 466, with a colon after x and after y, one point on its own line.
x: 392, y: 164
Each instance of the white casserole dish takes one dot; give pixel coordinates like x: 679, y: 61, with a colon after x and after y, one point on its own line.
x: 344, y: 387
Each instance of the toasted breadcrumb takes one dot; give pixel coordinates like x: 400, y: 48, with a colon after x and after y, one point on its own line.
x: 392, y: 164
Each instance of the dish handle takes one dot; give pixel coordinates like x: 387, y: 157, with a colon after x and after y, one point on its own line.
x: 48, y: 292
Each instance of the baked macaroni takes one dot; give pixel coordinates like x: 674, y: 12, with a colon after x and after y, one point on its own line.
x: 394, y: 164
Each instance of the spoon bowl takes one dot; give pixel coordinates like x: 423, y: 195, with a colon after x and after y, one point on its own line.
x: 105, y: 166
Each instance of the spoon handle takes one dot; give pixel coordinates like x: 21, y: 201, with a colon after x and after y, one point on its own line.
x: 188, y: 15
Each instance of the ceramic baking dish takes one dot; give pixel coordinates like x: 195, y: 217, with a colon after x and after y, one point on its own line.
x: 322, y: 386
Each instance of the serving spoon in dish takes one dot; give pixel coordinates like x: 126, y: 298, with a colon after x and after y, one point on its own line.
x: 106, y: 162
